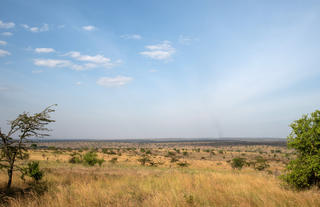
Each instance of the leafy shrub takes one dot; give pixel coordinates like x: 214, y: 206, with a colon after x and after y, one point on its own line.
x: 238, y: 163
x: 91, y: 158
x: 185, y: 153
x: 304, y: 171
x: 143, y: 160
x: 183, y: 164
x: 170, y: 154
x: 33, y: 146
x: 32, y: 170
x: 113, y: 160
x: 260, y: 163
x: 75, y: 158
x: 174, y: 159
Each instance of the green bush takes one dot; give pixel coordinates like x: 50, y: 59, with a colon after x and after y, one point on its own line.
x: 183, y: 164
x: 143, y: 160
x: 32, y: 170
x: 260, y: 163
x: 75, y: 158
x: 238, y: 163
x: 304, y: 171
x: 91, y: 158
x: 113, y: 160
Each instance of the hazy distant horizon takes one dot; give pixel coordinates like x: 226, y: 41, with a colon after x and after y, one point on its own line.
x: 124, y: 69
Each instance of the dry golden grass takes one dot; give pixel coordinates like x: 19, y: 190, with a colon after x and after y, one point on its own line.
x: 206, y: 182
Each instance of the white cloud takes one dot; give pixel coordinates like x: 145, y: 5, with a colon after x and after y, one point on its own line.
x: 3, y: 42
x: 6, y: 25
x: 131, y: 36
x: 7, y: 33
x: 185, y: 40
x: 116, y: 81
x: 94, y: 61
x: 89, y: 28
x: 4, y: 53
x: 43, y: 28
x: 78, y: 83
x: 56, y: 63
x: 37, y: 71
x: 52, y: 63
x: 162, y: 51
x: 88, y: 58
x: 153, y: 70
x: 44, y: 50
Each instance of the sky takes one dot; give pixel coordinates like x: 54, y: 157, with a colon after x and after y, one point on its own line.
x: 161, y: 69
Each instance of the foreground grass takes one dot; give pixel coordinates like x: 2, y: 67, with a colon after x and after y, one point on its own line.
x: 125, y: 185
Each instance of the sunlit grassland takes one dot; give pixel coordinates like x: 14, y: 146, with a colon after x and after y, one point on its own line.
x: 207, y: 181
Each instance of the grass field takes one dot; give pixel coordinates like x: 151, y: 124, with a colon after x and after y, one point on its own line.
x: 206, y: 180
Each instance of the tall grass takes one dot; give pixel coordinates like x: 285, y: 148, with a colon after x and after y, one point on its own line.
x: 149, y: 186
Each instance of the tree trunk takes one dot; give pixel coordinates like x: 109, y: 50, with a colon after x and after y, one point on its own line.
x: 10, y: 174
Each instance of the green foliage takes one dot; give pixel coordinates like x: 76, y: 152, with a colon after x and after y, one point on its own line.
x: 75, y: 158
x: 32, y: 170
x: 238, y: 163
x: 183, y: 164
x: 174, y: 159
x: 304, y: 171
x: 142, y: 150
x: 91, y: 158
x: 33, y: 146
x: 143, y: 160
x: 260, y: 163
x: 113, y: 160
x: 23, y: 127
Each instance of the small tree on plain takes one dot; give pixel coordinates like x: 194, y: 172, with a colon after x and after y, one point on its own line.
x: 304, y: 171
x: 13, y: 144
x: 238, y: 163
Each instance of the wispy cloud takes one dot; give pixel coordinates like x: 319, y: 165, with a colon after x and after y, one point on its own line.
x: 89, y: 28
x: 4, y: 53
x: 52, y: 63
x: 3, y: 42
x: 6, y: 25
x: 58, y: 63
x: 114, y: 81
x: 37, y: 71
x: 153, y: 71
x: 131, y: 36
x: 186, y: 40
x: 44, y: 50
x: 7, y: 33
x: 162, y: 51
x: 43, y: 28
x: 78, y: 83
x: 95, y: 60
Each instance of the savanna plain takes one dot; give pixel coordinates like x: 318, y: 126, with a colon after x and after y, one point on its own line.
x: 197, y: 173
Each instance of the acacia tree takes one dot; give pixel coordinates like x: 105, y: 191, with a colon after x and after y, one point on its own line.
x: 304, y: 171
x: 13, y: 144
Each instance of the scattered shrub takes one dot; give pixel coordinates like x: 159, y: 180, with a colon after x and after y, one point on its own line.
x: 183, y: 164
x: 260, y: 163
x: 238, y: 163
x: 113, y: 160
x: 32, y: 170
x: 91, y: 158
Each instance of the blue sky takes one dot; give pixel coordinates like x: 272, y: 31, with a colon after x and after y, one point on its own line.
x: 153, y: 69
